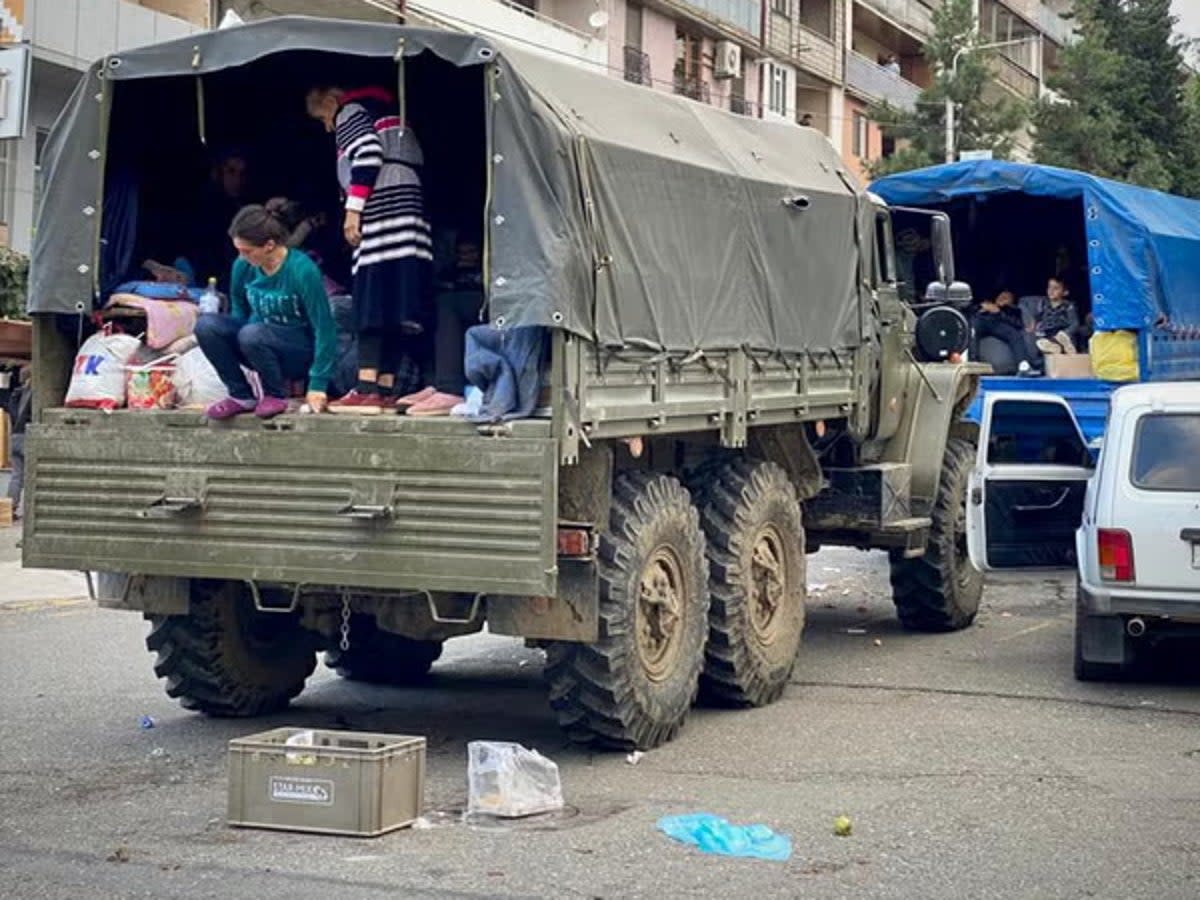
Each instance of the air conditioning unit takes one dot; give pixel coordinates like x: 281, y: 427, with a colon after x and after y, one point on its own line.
x: 727, y: 60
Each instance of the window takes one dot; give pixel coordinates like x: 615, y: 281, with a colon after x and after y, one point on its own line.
x: 1165, y: 451
x: 1026, y: 432
x: 778, y: 89
x: 783, y: 7
x: 861, y: 143
x: 8, y: 172
x: 633, y: 25
x: 817, y: 15
x: 688, y: 48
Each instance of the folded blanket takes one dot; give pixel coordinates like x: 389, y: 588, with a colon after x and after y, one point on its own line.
x: 166, y: 320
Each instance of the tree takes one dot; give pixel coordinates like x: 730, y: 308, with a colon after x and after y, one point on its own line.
x: 14, y: 279
x: 1121, y: 106
x: 981, y: 123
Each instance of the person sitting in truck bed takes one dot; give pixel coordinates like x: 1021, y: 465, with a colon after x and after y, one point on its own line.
x: 1001, y: 319
x: 280, y: 323
x: 1055, y: 320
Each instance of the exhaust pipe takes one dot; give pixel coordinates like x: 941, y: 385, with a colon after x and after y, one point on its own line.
x: 1135, y: 627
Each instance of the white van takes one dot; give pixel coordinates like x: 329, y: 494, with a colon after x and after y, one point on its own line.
x: 1128, y: 522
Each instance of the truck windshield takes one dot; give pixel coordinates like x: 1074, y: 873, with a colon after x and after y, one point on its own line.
x: 1165, y: 451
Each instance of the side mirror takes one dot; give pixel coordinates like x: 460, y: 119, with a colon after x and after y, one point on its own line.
x: 943, y: 247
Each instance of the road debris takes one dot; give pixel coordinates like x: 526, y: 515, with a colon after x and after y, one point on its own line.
x: 842, y: 826
x: 635, y: 757
x: 120, y: 855
x: 712, y: 834
x: 510, y: 781
x: 145, y: 723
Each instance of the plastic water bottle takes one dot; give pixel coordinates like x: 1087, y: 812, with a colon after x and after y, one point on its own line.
x: 210, y: 300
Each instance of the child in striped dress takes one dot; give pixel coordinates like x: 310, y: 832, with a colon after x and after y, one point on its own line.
x: 385, y: 223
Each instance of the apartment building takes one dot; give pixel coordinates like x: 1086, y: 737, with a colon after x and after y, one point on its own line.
x: 817, y: 62
x: 64, y: 37
x: 885, y: 60
x: 820, y: 63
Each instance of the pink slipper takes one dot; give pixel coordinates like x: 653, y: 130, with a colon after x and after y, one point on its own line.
x: 437, y: 404
x: 270, y: 407
x: 228, y: 408
x: 409, y: 400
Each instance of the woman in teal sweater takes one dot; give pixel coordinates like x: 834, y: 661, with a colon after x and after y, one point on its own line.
x: 280, y: 324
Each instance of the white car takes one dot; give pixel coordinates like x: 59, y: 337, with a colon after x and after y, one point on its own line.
x: 1127, y: 523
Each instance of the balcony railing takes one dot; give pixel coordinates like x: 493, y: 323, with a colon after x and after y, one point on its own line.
x: 909, y: 14
x: 1058, y: 29
x: 1013, y: 76
x: 741, y: 105
x: 745, y: 15
x: 693, y: 88
x: 637, y: 66
x: 877, y: 83
x: 532, y: 13
x: 515, y: 22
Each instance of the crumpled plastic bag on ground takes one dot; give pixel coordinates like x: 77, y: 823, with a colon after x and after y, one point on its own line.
x: 712, y: 834
x: 510, y: 781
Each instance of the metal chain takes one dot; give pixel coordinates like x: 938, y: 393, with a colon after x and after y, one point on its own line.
x: 345, y: 642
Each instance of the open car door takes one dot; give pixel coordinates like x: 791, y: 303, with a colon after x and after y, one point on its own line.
x: 1027, y: 490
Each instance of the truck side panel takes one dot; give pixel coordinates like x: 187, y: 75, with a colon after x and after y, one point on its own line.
x: 363, y: 503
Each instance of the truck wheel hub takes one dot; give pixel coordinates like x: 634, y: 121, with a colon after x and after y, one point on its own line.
x: 768, y: 583
x: 658, y: 613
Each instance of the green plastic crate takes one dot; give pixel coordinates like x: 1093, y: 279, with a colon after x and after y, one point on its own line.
x: 347, y: 782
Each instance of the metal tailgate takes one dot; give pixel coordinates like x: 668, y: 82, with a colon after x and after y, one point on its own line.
x: 387, y: 503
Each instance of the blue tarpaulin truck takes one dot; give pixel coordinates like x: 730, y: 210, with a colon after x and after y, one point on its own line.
x: 1131, y: 257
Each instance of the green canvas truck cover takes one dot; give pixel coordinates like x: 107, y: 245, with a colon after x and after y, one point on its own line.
x: 624, y: 215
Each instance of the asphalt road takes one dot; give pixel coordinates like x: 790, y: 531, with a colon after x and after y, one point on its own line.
x: 972, y: 765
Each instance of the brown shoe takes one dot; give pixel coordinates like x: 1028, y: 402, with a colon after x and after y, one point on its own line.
x: 356, y: 404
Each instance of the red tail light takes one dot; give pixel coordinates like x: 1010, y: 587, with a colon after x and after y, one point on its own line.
x: 1116, y: 554
x: 576, y: 542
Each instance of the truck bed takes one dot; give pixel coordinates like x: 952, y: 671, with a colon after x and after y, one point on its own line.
x: 380, y: 503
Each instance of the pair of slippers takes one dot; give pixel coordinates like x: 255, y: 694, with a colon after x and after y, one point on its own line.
x: 426, y: 402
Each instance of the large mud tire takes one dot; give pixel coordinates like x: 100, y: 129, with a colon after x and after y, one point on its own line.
x: 226, y: 659
x: 380, y: 657
x: 634, y: 687
x: 940, y: 591
x: 753, y: 522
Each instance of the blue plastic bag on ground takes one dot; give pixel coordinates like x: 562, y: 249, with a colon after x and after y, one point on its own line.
x: 712, y: 834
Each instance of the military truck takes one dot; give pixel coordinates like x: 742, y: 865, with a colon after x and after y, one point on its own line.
x: 734, y: 382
